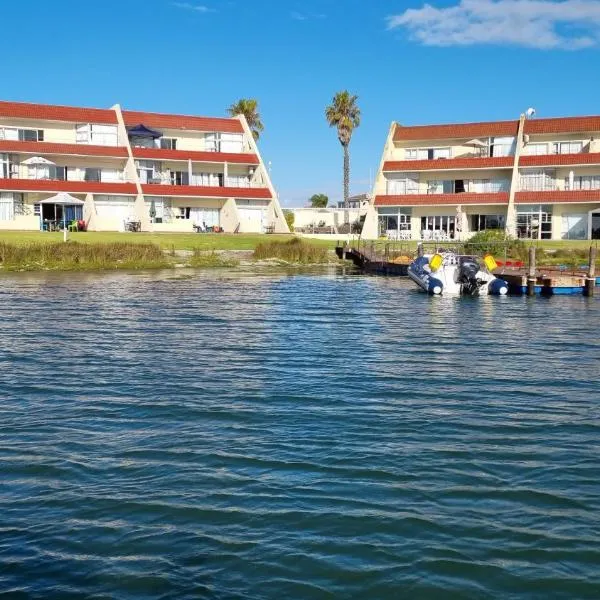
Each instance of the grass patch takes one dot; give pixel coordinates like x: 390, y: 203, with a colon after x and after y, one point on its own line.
x: 72, y: 256
x: 201, y: 259
x: 292, y: 251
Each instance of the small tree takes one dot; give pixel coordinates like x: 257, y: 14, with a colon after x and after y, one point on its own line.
x: 319, y: 201
x: 289, y: 219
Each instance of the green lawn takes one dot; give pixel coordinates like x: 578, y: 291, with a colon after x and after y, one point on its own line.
x: 178, y: 241
x: 217, y: 241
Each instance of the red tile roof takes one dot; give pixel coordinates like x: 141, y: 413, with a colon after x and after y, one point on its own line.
x: 211, y: 157
x: 436, y: 199
x: 557, y: 197
x: 557, y: 160
x: 563, y: 125
x: 66, y: 149
x: 133, y: 117
x: 497, y: 128
x: 26, y: 110
x: 44, y: 185
x: 205, y: 191
x: 449, y: 163
x: 455, y: 131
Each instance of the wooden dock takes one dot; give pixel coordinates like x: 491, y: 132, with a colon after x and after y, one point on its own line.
x: 392, y: 261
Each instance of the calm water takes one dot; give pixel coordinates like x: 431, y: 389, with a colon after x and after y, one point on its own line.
x: 317, y: 436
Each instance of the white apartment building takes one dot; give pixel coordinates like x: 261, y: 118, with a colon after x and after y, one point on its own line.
x: 166, y: 172
x: 535, y: 178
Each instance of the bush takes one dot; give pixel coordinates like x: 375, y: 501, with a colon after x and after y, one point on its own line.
x: 73, y: 256
x: 289, y: 219
x: 293, y: 251
x: 497, y: 243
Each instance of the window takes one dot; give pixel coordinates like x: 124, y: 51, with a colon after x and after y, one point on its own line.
x: 207, y: 179
x: 534, y: 222
x: 37, y: 210
x: 438, y: 226
x: 98, y: 135
x: 536, y: 149
x: 180, y: 178
x: 441, y: 153
x: 567, y: 147
x: 242, y: 181
x: 31, y: 135
x: 574, y: 226
x: 416, y: 154
x: 447, y: 186
x: 92, y: 174
x: 148, y: 170
x: 483, y: 222
x: 583, y: 182
x: 403, y: 183
x: 502, y: 146
x: 212, y: 142
x: 484, y: 186
x: 167, y: 143
x: 119, y: 208
x: 4, y: 166
x: 538, y: 180
x: 232, y: 142
x: 393, y: 220
x: 10, y: 205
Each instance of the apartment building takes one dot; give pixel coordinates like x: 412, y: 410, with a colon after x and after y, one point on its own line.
x: 534, y: 178
x: 167, y: 173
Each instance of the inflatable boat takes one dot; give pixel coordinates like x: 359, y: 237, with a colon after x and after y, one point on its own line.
x: 455, y: 274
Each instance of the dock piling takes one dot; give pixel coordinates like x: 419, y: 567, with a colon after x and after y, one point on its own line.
x: 531, y: 273
x: 590, y: 280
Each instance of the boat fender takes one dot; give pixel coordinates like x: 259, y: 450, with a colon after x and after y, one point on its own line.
x: 498, y: 287
x: 435, y: 286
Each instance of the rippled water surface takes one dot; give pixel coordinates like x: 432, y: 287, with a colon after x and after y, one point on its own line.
x: 313, y: 436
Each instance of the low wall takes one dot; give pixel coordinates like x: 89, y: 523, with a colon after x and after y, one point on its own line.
x: 22, y: 223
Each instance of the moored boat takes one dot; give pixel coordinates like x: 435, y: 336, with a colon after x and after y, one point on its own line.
x: 449, y: 273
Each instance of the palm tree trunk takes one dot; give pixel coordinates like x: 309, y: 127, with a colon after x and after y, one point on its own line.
x: 346, y: 183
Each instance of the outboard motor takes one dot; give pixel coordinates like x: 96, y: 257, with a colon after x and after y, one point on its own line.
x: 468, y: 268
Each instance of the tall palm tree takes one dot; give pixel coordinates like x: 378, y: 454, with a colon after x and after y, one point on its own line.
x: 344, y: 114
x: 249, y: 108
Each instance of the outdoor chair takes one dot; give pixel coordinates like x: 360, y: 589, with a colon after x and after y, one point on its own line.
x: 73, y: 226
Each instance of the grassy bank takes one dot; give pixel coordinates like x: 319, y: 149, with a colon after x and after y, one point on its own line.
x: 73, y: 256
x: 292, y: 251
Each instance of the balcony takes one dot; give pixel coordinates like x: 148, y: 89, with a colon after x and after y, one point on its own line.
x: 206, y: 191
x: 447, y: 164
x: 441, y: 199
x: 57, y: 185
x: 66, y: 148
x: 196, y: 156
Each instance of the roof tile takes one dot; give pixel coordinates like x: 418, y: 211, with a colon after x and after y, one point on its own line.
x: 66, y: 149
x: 82, y: 187
x: 26, y: 110
x: 224, y: 125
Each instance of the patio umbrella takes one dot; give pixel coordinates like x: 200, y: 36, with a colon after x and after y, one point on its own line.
x: 460, y: 222
x: 37, y: 160
x: 477, y: 143
x: 62, y: 199
x: 152, y: 209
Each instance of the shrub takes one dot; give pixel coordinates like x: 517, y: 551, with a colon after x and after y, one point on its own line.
x: 72, y: 256
x: 497, y: 243
x: 289, y: 219
x: 293, y: 251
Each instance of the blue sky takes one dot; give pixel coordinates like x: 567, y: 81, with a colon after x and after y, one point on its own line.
x: 454, y: 60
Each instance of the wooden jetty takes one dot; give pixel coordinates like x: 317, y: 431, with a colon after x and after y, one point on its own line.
x: 550, y: 281
x: 393, y: 260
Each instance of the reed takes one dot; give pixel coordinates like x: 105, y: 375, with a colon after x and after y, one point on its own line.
x: 292, y: 251
x: 72, y: 256
x: 211, y: 260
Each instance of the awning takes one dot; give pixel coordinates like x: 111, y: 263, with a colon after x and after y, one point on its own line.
x: 143, y: 131
x: 64, y: 199
x: 37, y: 160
